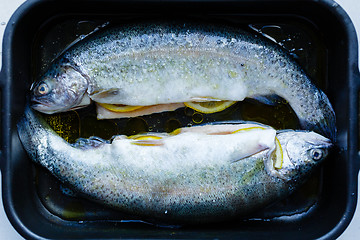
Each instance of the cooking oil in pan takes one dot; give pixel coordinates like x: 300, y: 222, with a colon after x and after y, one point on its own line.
x: 298, y: 38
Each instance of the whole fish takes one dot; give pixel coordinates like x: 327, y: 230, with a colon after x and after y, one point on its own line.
x: 194, y: 175
x: 157, y: 64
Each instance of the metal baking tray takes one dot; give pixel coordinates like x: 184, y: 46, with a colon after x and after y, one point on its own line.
x: 320, y: 36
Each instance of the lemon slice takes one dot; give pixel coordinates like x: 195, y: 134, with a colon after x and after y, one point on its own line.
x: 147, y: 140
x: 277, y: 156
x: 119, y: 107
x: 176, y: 132
x: 248, y: 129
x: 209, y: 107
x: 146, y: 137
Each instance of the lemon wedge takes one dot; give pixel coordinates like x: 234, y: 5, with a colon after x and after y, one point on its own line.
x: 210, y: 106
x: 277, y: 156
x: 119, y: 107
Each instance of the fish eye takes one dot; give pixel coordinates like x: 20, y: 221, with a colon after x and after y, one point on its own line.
x: 43, y: 89
x: 316, y: 154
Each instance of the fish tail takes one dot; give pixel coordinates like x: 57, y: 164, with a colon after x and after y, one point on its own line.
x: 325, y: 126
x: 321, y: 118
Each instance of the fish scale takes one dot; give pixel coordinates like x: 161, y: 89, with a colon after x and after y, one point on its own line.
x: 201, y: 174
x: 171, y: 63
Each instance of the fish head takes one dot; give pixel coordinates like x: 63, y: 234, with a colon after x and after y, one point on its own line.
x: 301, y: 151
x: 60, y: 89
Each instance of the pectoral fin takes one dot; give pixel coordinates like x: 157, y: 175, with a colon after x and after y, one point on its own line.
x: 256, y: 143
x: 250, y: 152
x: 271, y: 100
x: 89, y: 143
x: 106, y: 95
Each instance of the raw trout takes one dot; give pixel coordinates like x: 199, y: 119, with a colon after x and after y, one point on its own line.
x: 146, y: 65
x: 194, y: 175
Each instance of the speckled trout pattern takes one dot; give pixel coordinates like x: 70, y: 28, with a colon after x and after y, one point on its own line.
x: 194, y: 175
x: 143, y: 65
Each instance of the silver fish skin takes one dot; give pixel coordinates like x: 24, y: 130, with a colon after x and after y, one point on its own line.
x: 202, y: 174
x: 149, y: 64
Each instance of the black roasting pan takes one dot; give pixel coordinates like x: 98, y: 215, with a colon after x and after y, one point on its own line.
x: 318, y: 33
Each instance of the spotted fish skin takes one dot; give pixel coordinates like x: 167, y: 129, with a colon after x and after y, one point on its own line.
x: 198, y: 175
x: 149, y: 64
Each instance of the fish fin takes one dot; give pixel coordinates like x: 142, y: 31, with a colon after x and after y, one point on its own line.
x: 271, y: 100
x: 90, y: 143
x: 265, y: 142
x: 250, y: 153
x: 106, y: 94
x: 85, y: 101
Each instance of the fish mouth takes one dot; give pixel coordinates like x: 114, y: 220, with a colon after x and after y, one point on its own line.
x: 34, y: 101
x: 41, y: 107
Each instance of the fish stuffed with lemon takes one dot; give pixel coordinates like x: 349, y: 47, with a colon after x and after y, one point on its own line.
x: 145, y: 68
x: 197, y: 174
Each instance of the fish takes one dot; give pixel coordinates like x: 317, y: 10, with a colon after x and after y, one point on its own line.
x: 171, y: 63
x: 194, y: 175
